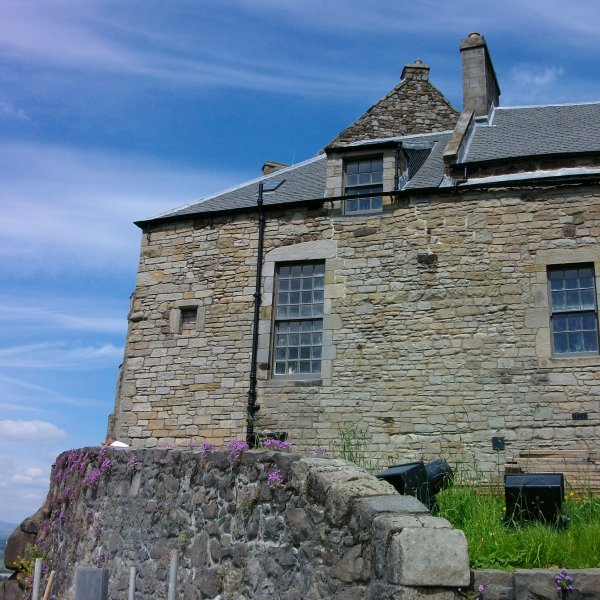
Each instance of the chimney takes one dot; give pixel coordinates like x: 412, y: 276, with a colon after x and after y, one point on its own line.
x: 271, y: 166
x: 417, y: 71
x: 480, y: 86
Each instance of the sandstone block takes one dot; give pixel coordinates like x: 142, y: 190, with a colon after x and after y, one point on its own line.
x: 429, y: 558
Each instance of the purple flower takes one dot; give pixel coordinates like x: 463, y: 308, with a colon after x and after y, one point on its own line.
x: 205, y: 448
x: 563, y: 581
x: 92, y: 479
x: 275, y: 479
x: 133, y: 464
x: 276, y: 444
x: 235, y: 448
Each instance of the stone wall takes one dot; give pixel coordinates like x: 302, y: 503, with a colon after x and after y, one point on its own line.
x: 438, y: 314
x: 322, y: 529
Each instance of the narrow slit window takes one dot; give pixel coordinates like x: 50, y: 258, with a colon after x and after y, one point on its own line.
x: 189, y: 318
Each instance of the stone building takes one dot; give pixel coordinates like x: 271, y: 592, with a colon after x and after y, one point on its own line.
x: 429, y: 276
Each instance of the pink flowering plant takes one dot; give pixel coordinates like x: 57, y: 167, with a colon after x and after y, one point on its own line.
x: 473, y: 595
x: 274, y: 444
x: 235, y: 449
x: 205, y: 448
x: 275, y: 479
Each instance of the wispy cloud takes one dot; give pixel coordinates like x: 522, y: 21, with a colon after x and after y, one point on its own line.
x: 49, y: 355
x: 32, y: 314
x: 30, y: 431
x: 7, y: 110
x: 67, y: 207
x: 33, y: 397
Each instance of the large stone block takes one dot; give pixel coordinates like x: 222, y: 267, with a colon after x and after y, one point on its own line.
x: 429, y: 558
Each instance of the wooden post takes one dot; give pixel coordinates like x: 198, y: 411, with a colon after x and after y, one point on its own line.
x: 49, y: 585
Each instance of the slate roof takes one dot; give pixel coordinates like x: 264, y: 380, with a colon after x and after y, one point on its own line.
x: 301, y: 182
x: 535, y: 131
x: 511, y: 133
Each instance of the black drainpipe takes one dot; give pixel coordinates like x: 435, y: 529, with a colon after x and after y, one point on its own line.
x: 252, y: 407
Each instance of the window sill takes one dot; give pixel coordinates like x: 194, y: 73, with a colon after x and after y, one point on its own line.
x: 278, y: 383
x: 569, y: 361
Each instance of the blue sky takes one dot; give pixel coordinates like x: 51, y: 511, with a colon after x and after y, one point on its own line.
x: 112, y: 111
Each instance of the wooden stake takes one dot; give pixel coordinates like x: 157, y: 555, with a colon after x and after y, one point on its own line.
x: 49, y: 585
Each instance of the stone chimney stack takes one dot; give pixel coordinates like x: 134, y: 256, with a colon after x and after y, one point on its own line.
x: 417, y: 71
x: 480, y: 86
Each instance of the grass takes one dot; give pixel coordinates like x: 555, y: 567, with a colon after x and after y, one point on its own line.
x: 492, y: 545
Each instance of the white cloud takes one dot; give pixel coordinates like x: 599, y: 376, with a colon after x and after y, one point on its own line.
x: 30, y: 431
x: 7, y: 110
x: 67, y: 208
x: 31, y: 313
x: 12, y: 388
x: 535, y: 75
x: 51, y: 355
x: 32, y: 476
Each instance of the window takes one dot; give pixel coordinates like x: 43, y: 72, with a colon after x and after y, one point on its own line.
x: 574, y: 315
x: 189, y: 317
x: 298, y: 320
x: 363, y: 177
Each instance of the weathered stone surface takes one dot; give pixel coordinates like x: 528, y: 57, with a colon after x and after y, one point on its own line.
x: 429, y: 557
x: 539, y: 584
x: 237, y: 537
x: 19, y: 544
x: 498, y: 585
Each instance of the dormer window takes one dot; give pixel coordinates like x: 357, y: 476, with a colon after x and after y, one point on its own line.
x: 363, y: 176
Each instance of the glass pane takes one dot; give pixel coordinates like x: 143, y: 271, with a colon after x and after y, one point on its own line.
x: 364, y: 204
x: 294, y: 311
x: 376, y: 203
x: 572, y: 299
x: 284, y: 284
x: 307, y: 270
x: 280, y: 368
x: 282, y: 298
x: 573, y: 323
x: 306, y: 310
x: 292, y: 368
x: 280, y: 353
x: 560, y: 343
x: 319, y: 283
x: 319, y: 269
x: 295, y: 326
x: 570, y: 278
x: 590, y: 341
x: 294, y: 339
x: 316, y: 351
x: 377, y: 177
x: 307, y: 283
x: 282, y: 312
x: 318, y: 296
x: 305, y: 352
x: 559, y: 301
x: 307, y: 297
x: 296, y: 270
x: 575, y: 342
x: 351, y: 205
x: 316, y: 366
x: 352, y: 167
x: 587, y: 298
x: 304, y: 366
x: 284, y: 271
x: 281, y: 340
x: 305, y: 339
x: 351, y: 180
x: 317, y: 339
x: 588, y: 322
x: 559, y: 323
x: 292, y: 352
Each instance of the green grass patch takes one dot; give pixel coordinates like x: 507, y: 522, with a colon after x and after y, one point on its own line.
x: 493, y: 545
